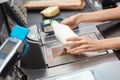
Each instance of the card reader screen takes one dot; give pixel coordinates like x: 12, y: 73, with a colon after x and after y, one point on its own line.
x: 6, y: 49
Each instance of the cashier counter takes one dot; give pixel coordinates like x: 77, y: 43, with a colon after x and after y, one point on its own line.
x: 101, y: 65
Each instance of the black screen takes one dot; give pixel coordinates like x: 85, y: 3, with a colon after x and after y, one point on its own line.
x: 7, y: 48
x: 110, y: 29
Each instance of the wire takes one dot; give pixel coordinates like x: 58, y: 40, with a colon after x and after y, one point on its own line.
x: 23, y: 75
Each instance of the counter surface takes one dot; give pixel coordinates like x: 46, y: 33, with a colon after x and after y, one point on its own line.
x: 83, y: 64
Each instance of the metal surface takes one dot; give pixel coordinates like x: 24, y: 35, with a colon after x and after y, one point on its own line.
x: 83, y: 64
x: 95, y: 4
x: 105, y: 71
x: 76, y: 75
x: 53, y: 48
x: 68, y: 68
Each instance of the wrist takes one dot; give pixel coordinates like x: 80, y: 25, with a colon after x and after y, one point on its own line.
x: 111, y: 43
x: 79, y: 18
x: 104, y: 44
x: 83, y: 17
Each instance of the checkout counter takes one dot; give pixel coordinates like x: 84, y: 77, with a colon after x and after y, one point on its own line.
x: 103, y: 65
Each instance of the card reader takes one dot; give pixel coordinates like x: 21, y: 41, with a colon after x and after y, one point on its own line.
x: 9, y: 53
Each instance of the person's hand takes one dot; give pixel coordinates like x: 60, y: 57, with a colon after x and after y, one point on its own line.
x: 72, y: 21
x: 83, y: 44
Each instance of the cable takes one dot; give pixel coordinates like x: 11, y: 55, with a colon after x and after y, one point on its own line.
x: 23, y: 75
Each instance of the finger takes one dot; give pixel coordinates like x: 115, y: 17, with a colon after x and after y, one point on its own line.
x: 74, y: 43
x: 66, y: 21
x: 80, y: 50
x: 83, y: 48
x: 77, y: 51
x: 74, y: 38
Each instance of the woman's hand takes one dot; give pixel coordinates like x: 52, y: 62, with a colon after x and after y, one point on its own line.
x: 72, y: 21
x: 83, y: 44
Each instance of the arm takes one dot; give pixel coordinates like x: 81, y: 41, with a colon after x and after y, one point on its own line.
x: 84, y: 44
x: 111, y: 43
x: 98, y: 16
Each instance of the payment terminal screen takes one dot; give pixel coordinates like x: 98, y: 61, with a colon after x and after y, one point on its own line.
x: 6, y: 49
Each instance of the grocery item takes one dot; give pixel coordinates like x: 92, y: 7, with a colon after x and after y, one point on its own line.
x: 50, y: 11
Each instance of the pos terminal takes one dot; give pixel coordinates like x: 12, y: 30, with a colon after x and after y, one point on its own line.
x: 11, y: 49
